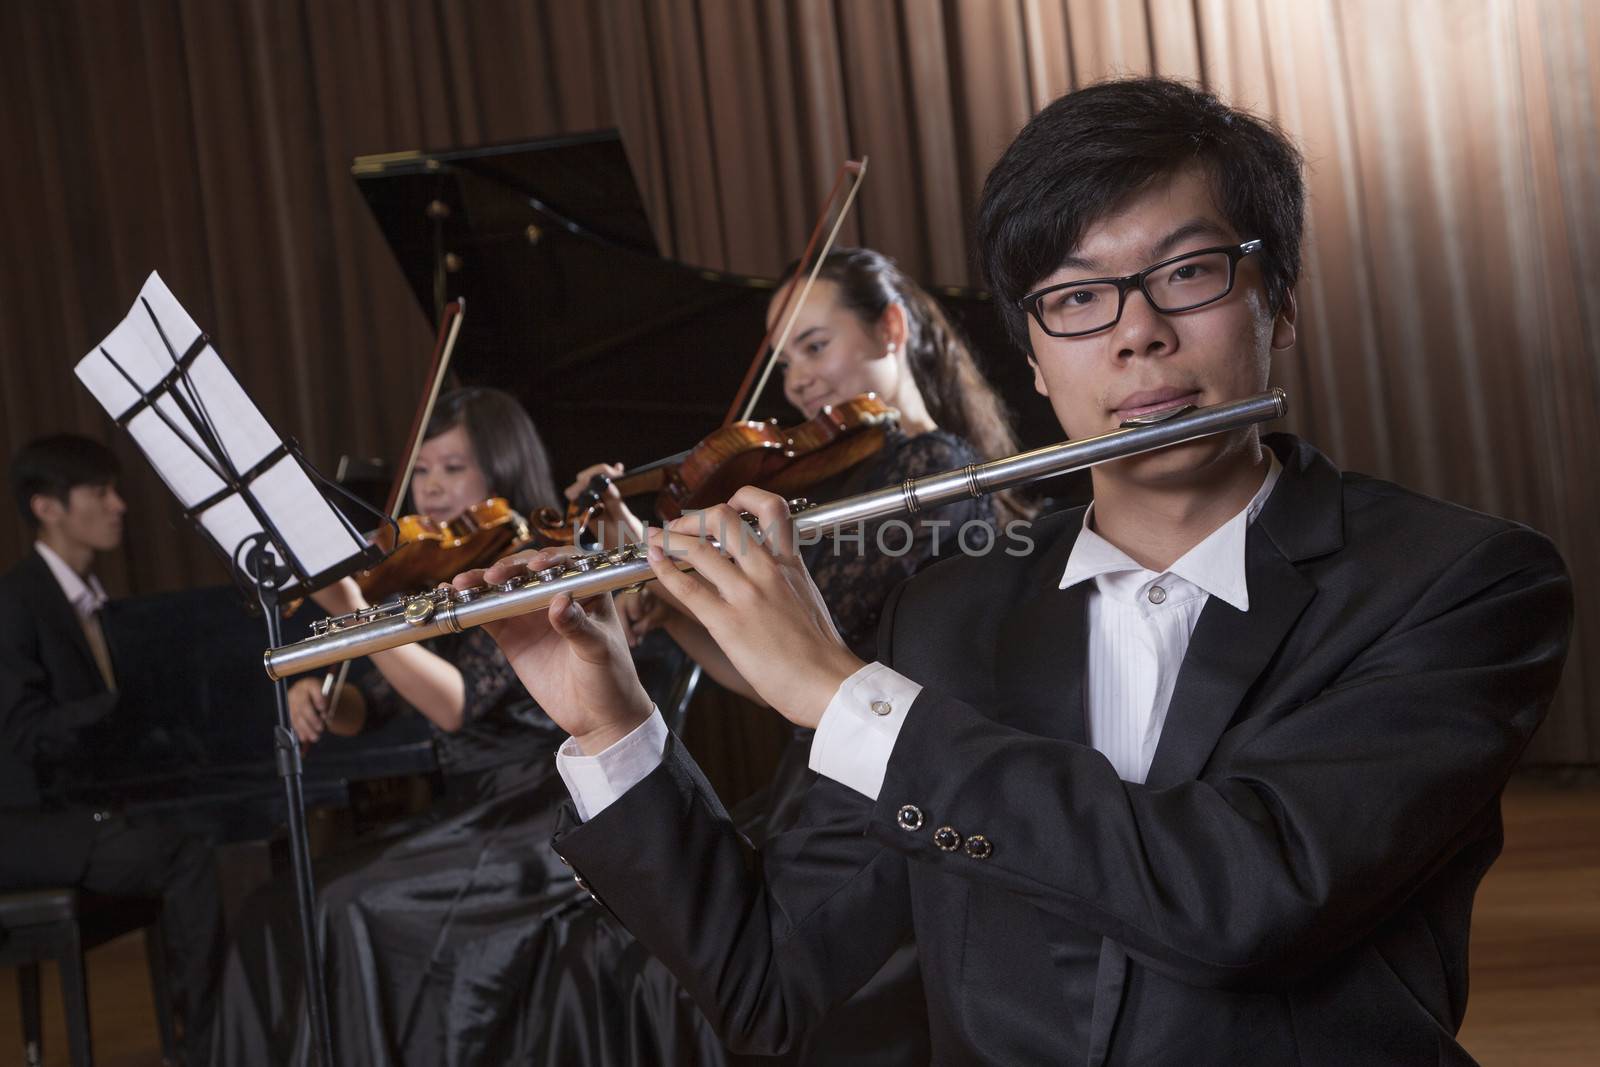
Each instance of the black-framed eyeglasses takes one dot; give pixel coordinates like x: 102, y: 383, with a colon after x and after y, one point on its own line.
x: 1181, y: 283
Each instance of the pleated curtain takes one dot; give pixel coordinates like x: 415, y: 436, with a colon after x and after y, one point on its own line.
x: 1450, y: 306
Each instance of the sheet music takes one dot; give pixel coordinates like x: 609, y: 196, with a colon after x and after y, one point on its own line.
x: 175, y: 431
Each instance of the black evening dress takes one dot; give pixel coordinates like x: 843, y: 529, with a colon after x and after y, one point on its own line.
x: 394, y: 911
x: 575, y: 988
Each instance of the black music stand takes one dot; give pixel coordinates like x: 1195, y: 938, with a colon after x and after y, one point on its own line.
x: 249, y: 493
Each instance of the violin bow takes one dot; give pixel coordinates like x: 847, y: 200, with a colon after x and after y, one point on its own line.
x: 744, y: 401
x: 443, y: 348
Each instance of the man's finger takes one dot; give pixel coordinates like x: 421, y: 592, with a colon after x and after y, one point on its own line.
x: 584, y: 625
x: 469, y: 579
x: 740, y: 543
x: 712, y: 565
x: 773, y: 520
x: 695, y: 594
x: 526, y: 563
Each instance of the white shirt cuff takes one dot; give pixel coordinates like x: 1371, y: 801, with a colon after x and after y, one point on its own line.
x: 595, y: 782
x: 858, y: 728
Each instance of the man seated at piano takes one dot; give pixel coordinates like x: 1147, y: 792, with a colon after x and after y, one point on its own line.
x: 57, y: 684
x: 393, y: 908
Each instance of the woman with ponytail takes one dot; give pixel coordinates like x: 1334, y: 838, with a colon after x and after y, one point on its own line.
x: 867, y: 327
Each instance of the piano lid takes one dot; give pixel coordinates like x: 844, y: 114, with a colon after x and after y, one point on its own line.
x: 570, y: 306
x: 619, y: 353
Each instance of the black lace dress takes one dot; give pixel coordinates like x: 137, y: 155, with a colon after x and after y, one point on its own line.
x: 580, y: 990
x: 393, y: 911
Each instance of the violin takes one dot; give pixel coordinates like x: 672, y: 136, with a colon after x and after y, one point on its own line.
x: 423, y: 552
x: 786, y: 461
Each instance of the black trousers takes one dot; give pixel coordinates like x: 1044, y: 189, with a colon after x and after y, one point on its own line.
x: 132, y: 860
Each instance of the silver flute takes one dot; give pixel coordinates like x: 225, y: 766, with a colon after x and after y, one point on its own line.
x: 448, y: 611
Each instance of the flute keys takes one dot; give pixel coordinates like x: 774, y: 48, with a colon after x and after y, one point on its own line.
x: 418, y: 610
x: 549, y: 574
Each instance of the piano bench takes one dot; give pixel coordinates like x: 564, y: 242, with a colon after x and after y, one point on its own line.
x: 61, y: 925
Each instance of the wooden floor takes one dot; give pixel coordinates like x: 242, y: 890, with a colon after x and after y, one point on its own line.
x: 1535, y: 953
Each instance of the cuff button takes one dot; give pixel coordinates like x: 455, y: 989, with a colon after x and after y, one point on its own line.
x: 881, y: 707
x: 947, y: 838
x: 909, y: 817
x: 979, y: 848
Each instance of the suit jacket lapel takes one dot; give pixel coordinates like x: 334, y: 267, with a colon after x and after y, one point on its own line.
x: 1228, y: 651
x: 1042, y: 651
x: 55, y: 612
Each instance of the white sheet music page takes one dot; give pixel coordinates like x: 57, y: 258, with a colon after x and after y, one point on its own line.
x: 201, y: 431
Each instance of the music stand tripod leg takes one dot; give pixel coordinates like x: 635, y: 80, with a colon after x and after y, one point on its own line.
x: 264, y: 573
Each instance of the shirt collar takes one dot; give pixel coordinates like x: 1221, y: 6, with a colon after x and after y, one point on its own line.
x: 85, y: 596
x: 1215, y: 565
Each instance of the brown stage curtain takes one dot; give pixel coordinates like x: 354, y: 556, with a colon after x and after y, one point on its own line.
x: 1450, y: 312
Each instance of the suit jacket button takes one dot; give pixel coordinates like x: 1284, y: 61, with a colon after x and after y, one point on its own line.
x: 947, y: 838
x: 978, y: 847
x: 909, y: 817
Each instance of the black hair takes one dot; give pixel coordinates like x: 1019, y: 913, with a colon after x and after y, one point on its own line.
x: 1085, y: 153
x: 53, y: 466
x: 959, y: 398
x: 505, y: 443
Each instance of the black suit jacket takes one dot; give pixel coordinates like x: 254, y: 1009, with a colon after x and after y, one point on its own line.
x: 50, y: 690
x: 1292, y: 884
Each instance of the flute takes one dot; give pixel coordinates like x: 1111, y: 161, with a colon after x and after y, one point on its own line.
x: 446, y: 611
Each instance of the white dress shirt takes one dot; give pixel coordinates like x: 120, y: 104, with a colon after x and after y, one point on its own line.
x: 1140, y: 623
x: 1139, y: 627
x: 87, y: 597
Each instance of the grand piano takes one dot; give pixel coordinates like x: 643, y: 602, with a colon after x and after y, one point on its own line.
x: 573, y: 309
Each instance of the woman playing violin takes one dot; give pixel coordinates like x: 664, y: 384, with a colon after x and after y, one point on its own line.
x: 865, y: 328
x: 394, y: 910
x: 479, y: 444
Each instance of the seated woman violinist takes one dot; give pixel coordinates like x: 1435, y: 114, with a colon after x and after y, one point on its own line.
x: 393, y: 910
